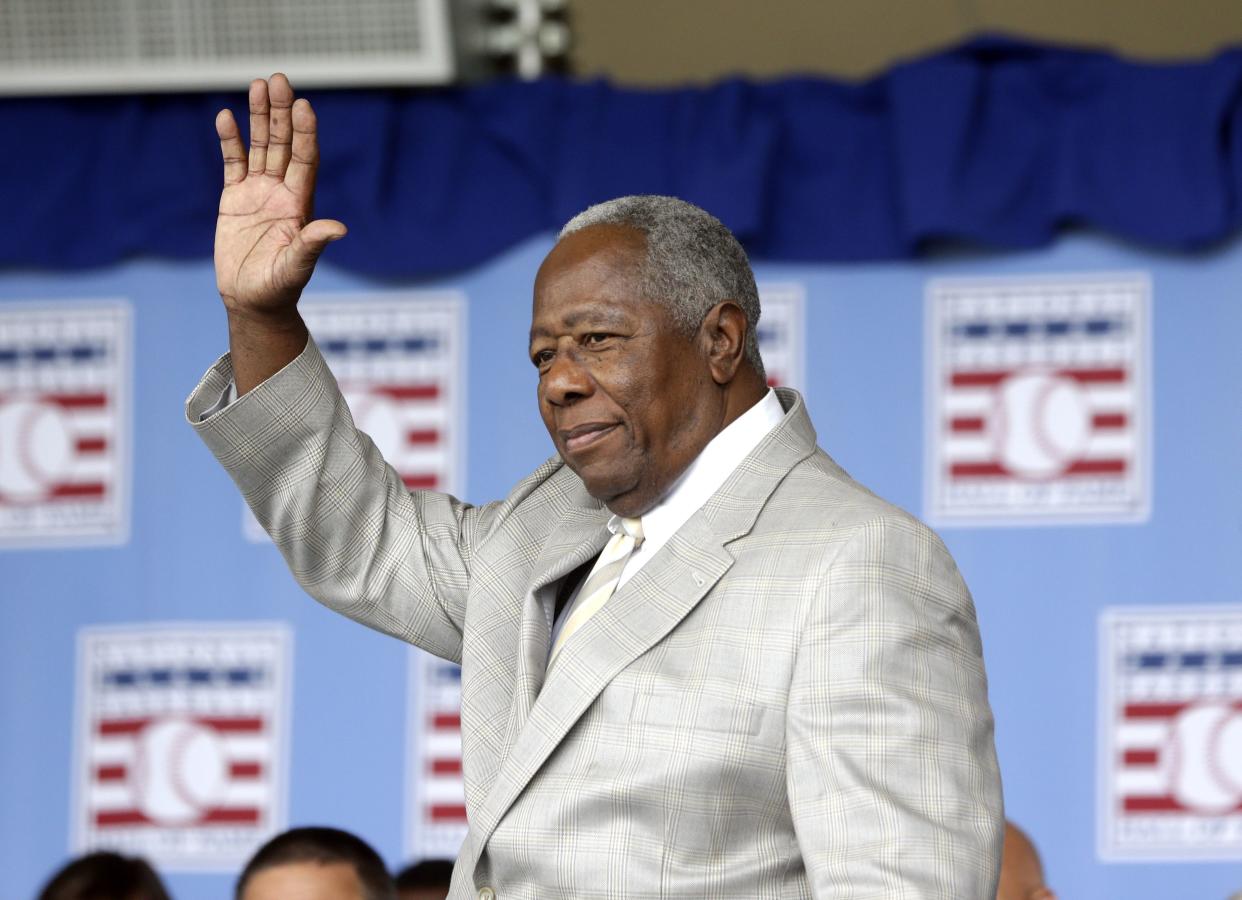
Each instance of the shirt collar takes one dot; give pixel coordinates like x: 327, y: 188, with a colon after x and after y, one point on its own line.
x: 710, y: 469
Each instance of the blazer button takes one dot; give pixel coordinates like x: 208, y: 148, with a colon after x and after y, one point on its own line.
x: 487, y: 894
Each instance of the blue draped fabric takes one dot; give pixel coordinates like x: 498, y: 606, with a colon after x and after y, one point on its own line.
x: 997, y: 143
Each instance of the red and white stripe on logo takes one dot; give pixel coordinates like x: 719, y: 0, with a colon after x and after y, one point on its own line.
x: 407, y: 422
x: 179, y: 770
x: 1033, y: 423
x: 443, y: 790
x: 56, y: 446
x: 1180, y: 757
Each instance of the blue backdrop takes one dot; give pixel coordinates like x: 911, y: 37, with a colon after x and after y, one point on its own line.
x: 1038, y: 590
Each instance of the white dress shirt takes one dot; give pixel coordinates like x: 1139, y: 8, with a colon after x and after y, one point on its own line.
x: 706, y: 474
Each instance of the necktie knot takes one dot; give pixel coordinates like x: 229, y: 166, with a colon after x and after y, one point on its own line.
x: 633, y: 528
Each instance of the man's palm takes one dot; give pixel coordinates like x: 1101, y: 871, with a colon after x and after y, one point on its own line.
x: 265, y: 247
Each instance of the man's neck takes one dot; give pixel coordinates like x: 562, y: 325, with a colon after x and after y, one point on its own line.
x: 712, y: 467
x: 744, y: 392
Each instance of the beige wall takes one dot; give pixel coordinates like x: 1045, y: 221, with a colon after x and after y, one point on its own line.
x: 657, y: 42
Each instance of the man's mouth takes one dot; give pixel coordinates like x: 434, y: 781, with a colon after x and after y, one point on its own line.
x: 586, y: 435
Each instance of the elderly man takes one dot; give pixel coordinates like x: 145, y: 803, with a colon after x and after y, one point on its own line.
x: 698, y: 660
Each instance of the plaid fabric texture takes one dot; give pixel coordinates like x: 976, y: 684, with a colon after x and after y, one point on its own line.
x: 788, y: 700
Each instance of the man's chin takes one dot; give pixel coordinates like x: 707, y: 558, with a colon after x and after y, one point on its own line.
x: 629, y: 504
x: 623, y: 498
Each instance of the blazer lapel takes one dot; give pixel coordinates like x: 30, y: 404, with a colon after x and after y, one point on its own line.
x: 580, y: 536
x: 643, y: 611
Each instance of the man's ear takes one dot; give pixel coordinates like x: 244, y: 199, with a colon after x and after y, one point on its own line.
x: 723, y: 334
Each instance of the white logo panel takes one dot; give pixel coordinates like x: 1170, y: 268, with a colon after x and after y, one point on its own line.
x: 1170, y: 769
x: 1038, y: 401
x: 782, y: 334
x: 181, y: 742
x: 436, y: 796
x: 64, y: 424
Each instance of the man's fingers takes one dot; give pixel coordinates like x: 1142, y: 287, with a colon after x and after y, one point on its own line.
x: 259, y: 112
x: 300, y: 177
x: 231, y: 147
x: 323, y: 232
x: 304, y: 250
x: 280, y: 129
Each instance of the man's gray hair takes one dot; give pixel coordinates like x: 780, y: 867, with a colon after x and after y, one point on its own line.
x: 693, y: 260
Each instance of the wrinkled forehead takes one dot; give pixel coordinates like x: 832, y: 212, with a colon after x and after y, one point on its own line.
x: 594, y: 274
x: 614, y: 247
x: 615, y: 233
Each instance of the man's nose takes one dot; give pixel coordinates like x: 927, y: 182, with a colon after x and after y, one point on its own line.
x: 567, y: 380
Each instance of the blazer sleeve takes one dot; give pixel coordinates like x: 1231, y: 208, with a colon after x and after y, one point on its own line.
x: 892, y: 773
x: 352, y: 534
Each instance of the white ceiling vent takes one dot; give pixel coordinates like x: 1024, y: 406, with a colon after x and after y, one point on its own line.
x: 75, y: 46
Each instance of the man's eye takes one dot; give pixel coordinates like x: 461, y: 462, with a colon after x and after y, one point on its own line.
x: 541, y: 358
x: 595, y: 338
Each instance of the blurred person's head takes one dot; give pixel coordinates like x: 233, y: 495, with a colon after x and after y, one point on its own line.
x: 105, y: 876
x: 427, y: 880
x: 1022, y: 874
x: 315, y: 864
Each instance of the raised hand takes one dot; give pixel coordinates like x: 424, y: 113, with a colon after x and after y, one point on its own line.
x: 266, y: 245
x: 266, y: 242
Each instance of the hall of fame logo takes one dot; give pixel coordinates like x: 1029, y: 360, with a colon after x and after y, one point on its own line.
x: 782, y: 326
x: 1170, y: 769
x: 64, y: 424
x: 398, y: 361
x: 181, y: 742
x: 436, y: 795
x: 1038, y: 401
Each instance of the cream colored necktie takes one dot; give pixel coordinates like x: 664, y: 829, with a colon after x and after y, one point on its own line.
x: 602, y: 581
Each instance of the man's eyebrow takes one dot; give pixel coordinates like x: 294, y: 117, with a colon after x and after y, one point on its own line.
x: 604, y: 318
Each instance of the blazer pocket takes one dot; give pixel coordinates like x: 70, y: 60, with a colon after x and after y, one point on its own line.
x: 679, y: 711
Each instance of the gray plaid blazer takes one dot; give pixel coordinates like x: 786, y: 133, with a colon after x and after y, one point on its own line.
x: 788, y: 700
